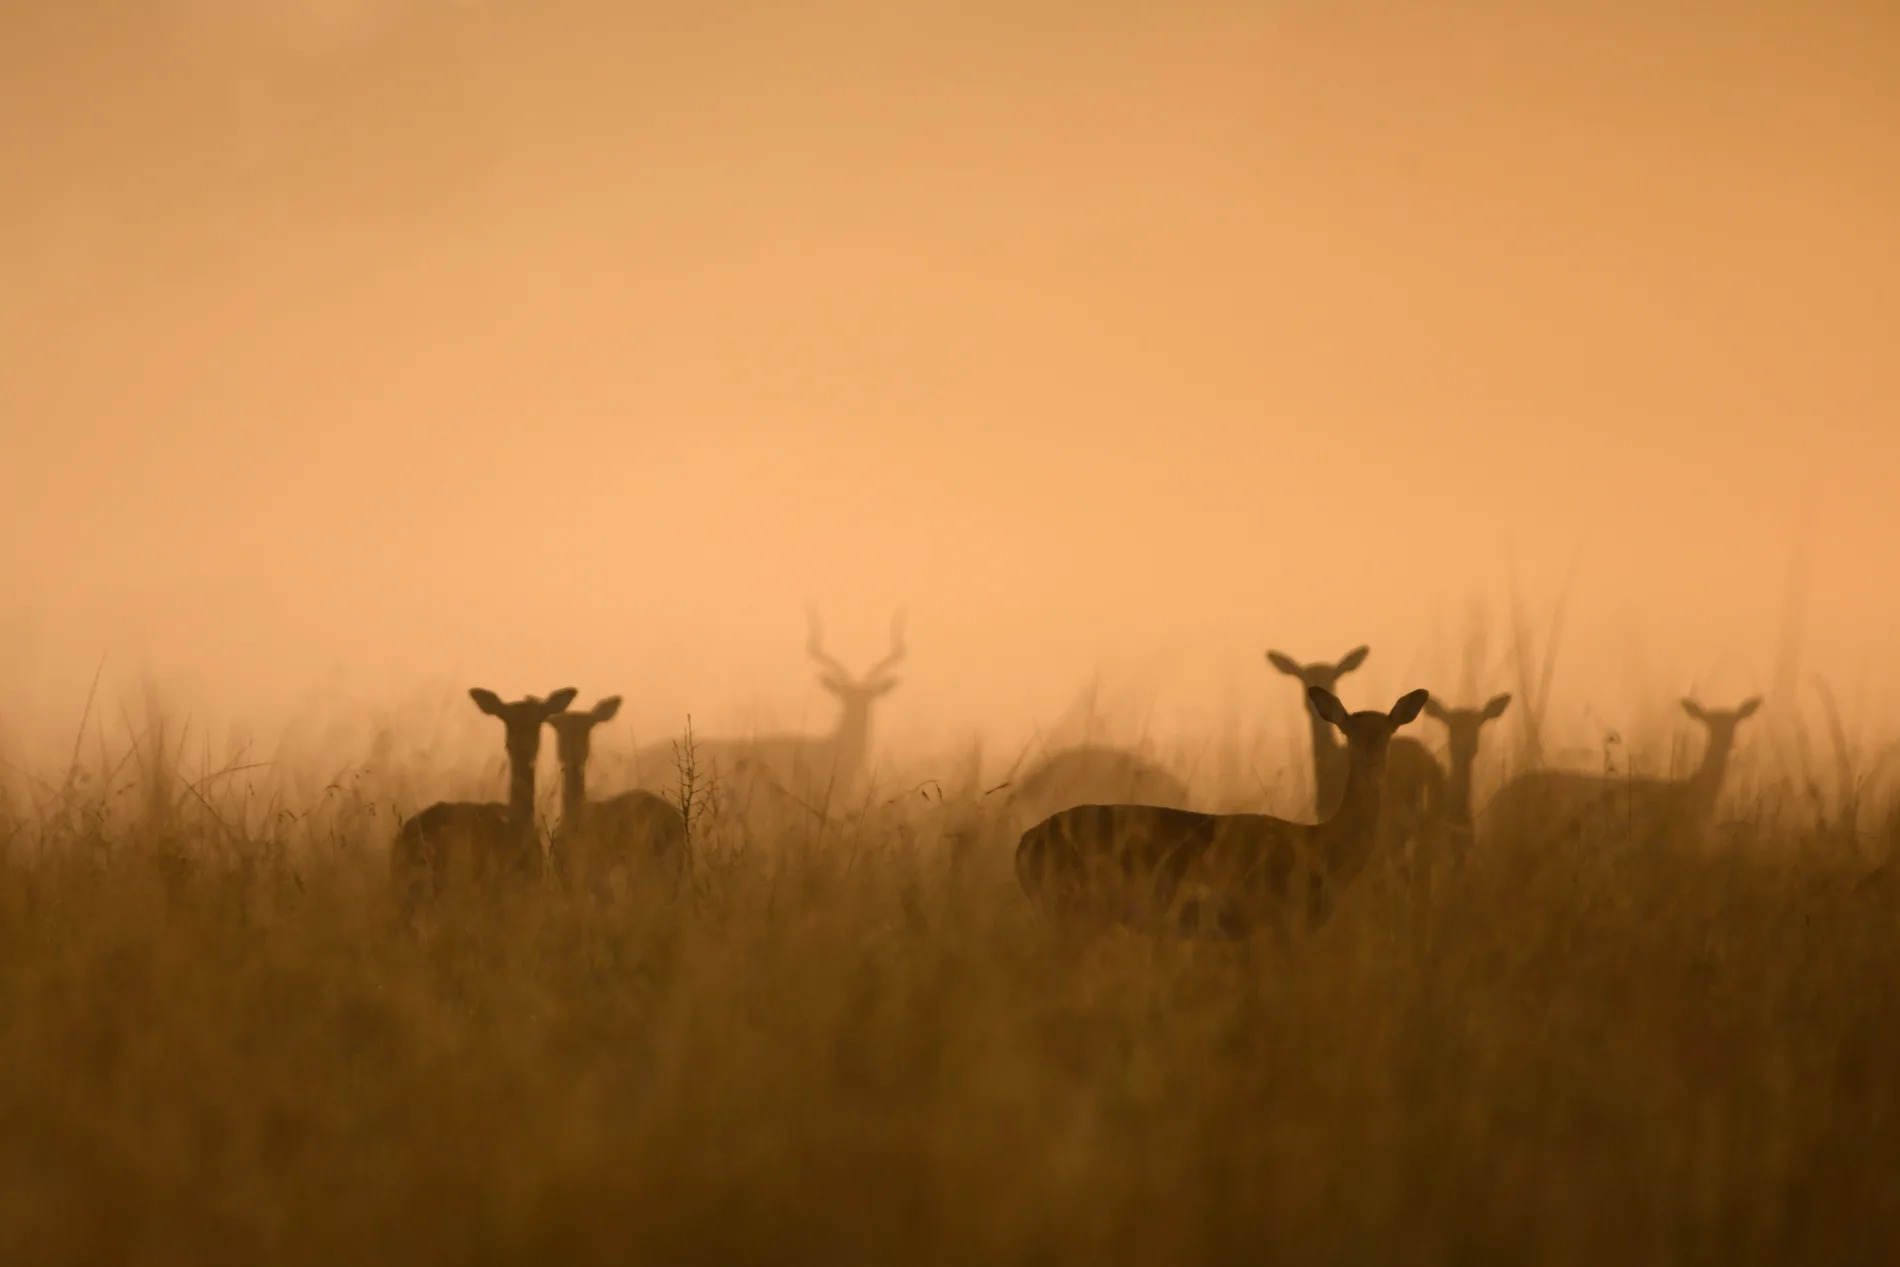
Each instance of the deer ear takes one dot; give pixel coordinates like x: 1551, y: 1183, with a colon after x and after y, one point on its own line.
x: 1352, y: 660
x: 1495, y: 709
x: 605, y: 710
x: 883, y: 687
x: 835, y: 684
x: 1748, y: 707
x: 1433, y: 711
x: 1694, y: 710
x: 1284, y: 663
x: 486, y: 700
x: 559, y: 700
x: 1327, y: 705
x: 1408, y: 706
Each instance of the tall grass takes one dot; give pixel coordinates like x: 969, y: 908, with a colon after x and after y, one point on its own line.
x: 216, y: 1044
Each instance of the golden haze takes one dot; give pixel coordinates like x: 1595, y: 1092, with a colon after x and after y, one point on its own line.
x: 380, y: 349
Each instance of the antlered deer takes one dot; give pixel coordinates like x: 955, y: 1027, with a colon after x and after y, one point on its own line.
x: 811, y: 768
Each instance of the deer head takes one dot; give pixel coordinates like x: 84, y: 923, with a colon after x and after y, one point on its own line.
x: 837, y: 679
x: 1319, y: 673
x: 1463, y: 725
x: 1369, y: 733
x: 573, y: 732
x: 522, y: 719
x: 1721, y: 723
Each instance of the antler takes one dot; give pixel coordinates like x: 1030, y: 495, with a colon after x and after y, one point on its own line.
x: 897, y: 648
x: 816, y: 651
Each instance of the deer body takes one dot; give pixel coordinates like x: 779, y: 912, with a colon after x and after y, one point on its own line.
x: 1463, y: 727
x: 1153, y: 867
x: 633, y: 836
x: 805, y: 766
x: 476, y: 842
x: 1543, y: 803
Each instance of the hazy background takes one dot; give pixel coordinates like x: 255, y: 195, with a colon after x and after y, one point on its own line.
x: 367, y: 350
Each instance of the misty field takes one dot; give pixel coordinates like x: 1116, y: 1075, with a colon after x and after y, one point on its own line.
x: 860, y: 1045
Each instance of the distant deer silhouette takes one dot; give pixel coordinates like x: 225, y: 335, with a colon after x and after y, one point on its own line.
x: 1330, y: 761
x: 1463, y: 726
x: 1156, y: 868
x: 483, y: 842
x: 633, y: 835
x: 1092, y: 774
x: 1414, y: 794
x: 804, y: 765
x: 1542, y: 805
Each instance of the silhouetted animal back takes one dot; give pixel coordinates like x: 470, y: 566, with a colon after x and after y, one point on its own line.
x: 461, y: 846
x: 1093, y: 774
x: 633, y: 836
x: 1135, y: 865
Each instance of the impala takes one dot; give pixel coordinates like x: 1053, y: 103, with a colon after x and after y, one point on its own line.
x: 1462, y: 727
x: 633, y: 835
x: 1152, y: 867
x: 800, y: 764
x: 481, y: 841
x: 1543, y: 804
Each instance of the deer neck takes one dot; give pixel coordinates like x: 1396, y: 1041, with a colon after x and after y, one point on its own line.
x: 1702, y: 787
x: 573, y: 793
x: 1458, y: 789
x: 1330, y: 765
x: 521, y: 793
x: 851, y: 740
x: 1345, y: 840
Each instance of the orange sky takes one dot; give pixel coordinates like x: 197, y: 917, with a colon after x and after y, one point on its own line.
x: 396, y: 346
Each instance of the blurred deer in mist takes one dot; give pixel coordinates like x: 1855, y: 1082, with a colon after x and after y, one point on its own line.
x: 1088, y: 772
x: 1463, y: 727
x: 811, y: 769
x: 1413, y: 808
x: 631, y: 837
x: 479, y: 842
x: 1542, y: 807
x: 1091, y: 774
x: 1160, y: 869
